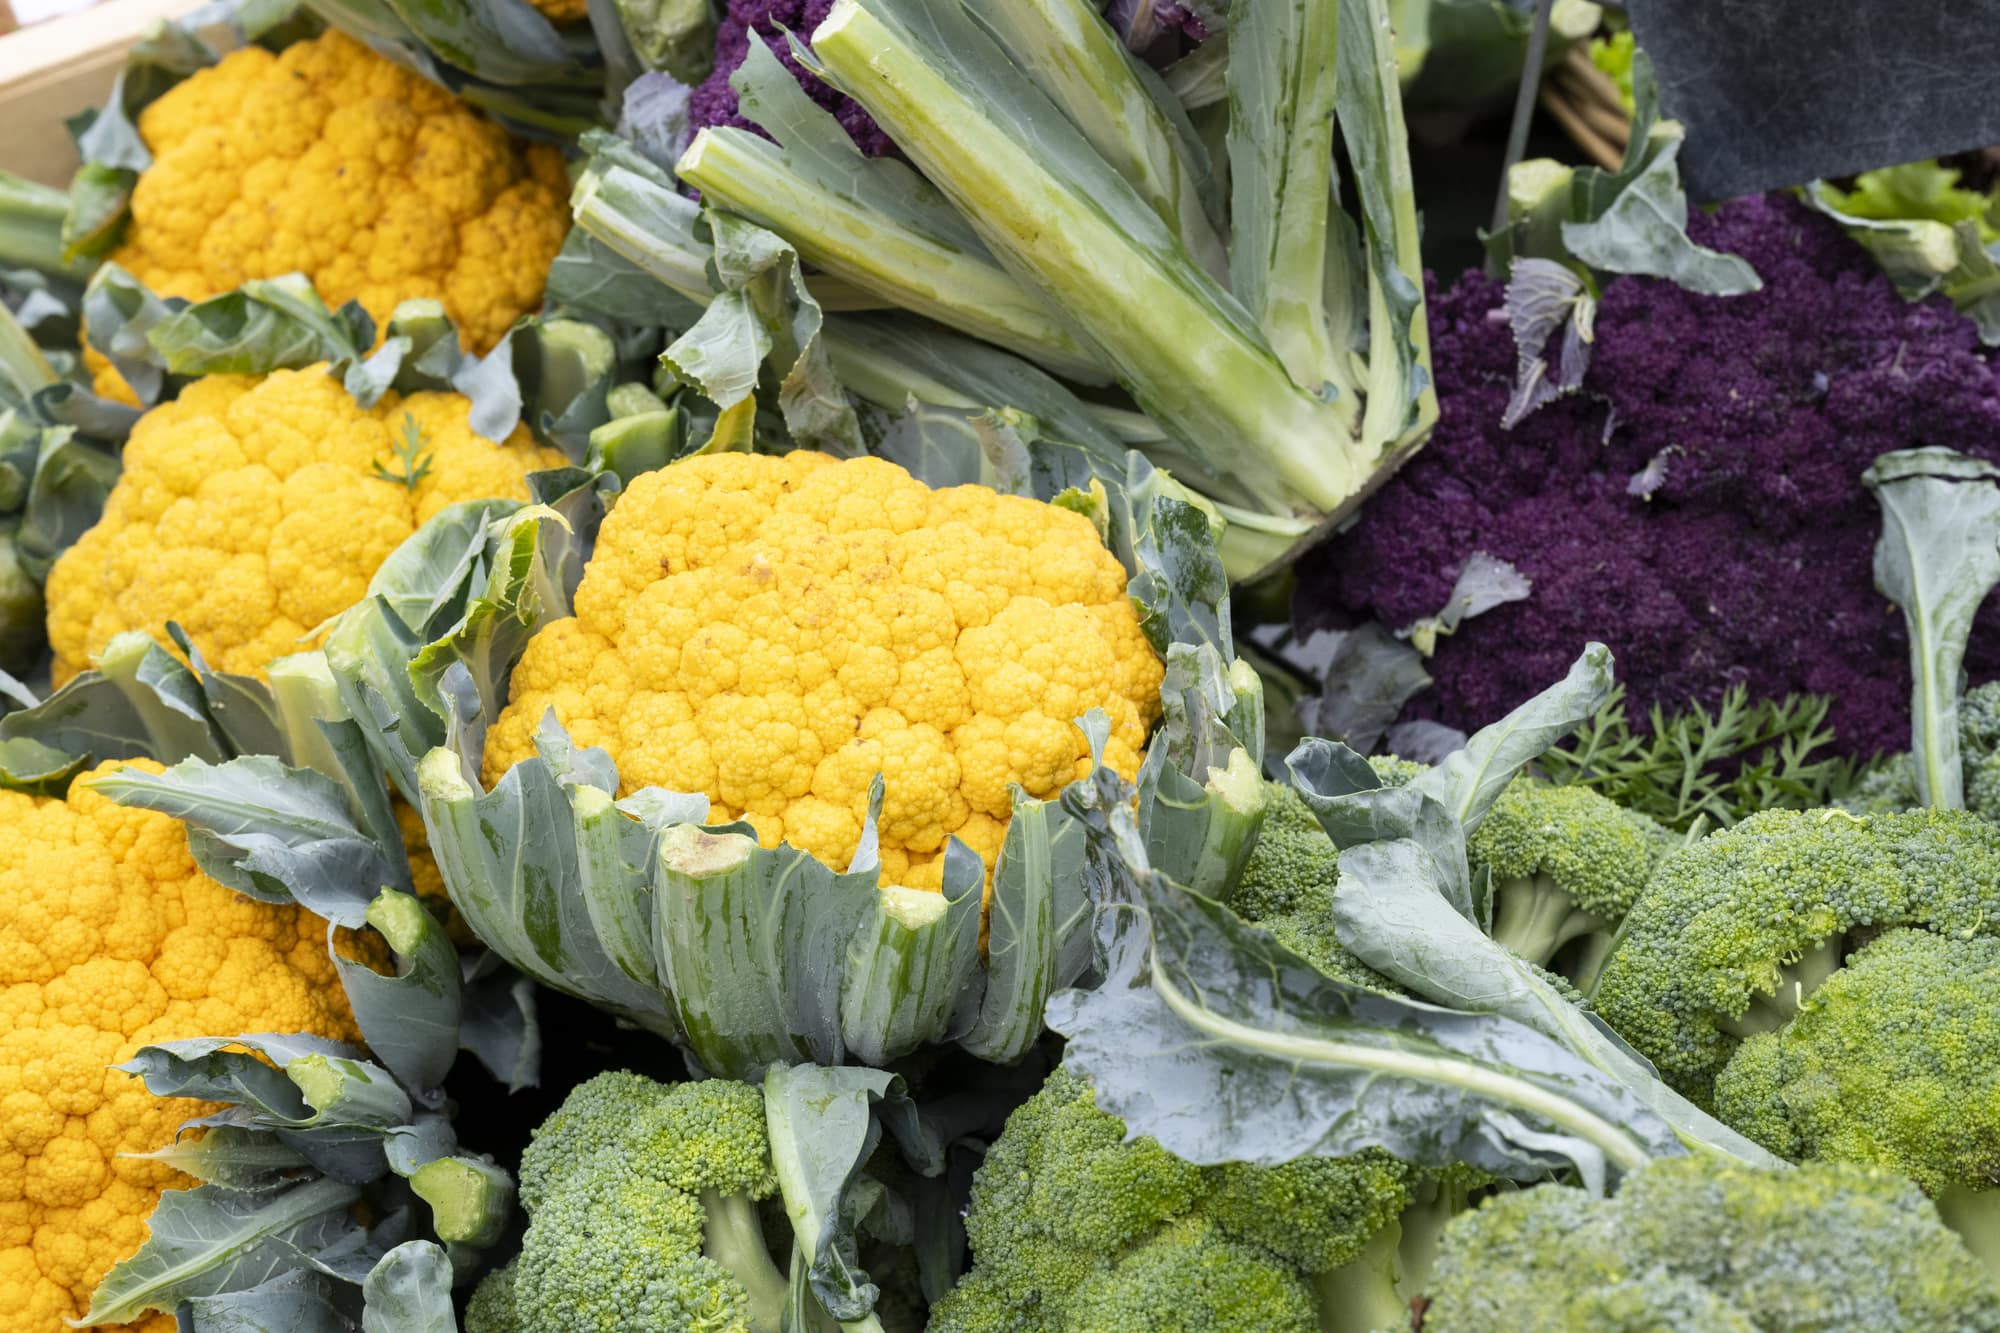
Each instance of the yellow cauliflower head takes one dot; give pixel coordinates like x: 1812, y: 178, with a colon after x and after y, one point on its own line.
x: 111, y: 939
x: 249, y: 511
x: 775, y: 631
x: 330, y: 160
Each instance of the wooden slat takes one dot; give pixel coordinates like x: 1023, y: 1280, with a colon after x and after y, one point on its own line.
x: 54, y: 69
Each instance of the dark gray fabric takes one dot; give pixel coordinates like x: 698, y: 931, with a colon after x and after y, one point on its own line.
x: 1778, y: 92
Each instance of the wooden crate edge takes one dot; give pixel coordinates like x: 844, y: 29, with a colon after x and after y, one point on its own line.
x: 55, y: 69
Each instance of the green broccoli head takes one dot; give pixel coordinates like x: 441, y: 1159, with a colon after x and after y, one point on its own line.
x: 1287, y: 885
x: 1075, y: 1229
x: 1979, y: 748
x: 1894, y: 1061
x: 491, y: 1309
x: 1735, y: 930
x: 1891, y: 785
x: 1566, y: 865
x: 1697, y: 1245
x: 1190, y: 1277
x: 642, y: 1200
x: 1317, y: 1212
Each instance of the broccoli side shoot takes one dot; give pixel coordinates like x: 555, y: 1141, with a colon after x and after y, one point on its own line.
x: 1894, y: 1061
x: 491, y: 1309
x: 1287, y: 884
x: 1892, y: 785
x: 642, y: 1199
x: 1735, y: 931
x: 1567, y: 863
x: 1696, y: 1245
x: 1074, y: 1228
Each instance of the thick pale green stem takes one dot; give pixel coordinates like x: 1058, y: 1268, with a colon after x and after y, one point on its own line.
x: 1975, y: 1216
x: 1796, y: 981
x: 733, y: 1237
x: 31, y: 219
x: 906, y: 970
x: 23, y: 368
x: 1534, y: 918
x: 1075, y: 57
x: 1617, y: 1145
x: 1056, y: 213
x: 1363, y: 1293
x: 470, y: 1199
x: 1937, y: 558
x: 837, y: 231
x: 1281, y: 88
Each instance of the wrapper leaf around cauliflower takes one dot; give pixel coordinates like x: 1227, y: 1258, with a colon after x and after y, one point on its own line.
x: 110, y: 940
x: 250, y: 512
x: 774, y: 632
x: 330, y: 160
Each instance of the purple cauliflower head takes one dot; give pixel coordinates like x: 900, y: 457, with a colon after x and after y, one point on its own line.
x: 1752, y: 559
x: 714, y: 102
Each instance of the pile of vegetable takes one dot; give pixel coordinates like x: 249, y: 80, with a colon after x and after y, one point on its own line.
x: 1694, y: 504
x: 682, y: 759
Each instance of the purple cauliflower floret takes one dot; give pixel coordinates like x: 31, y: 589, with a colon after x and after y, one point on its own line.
x: 714, y: 102
x: 1752, y: 560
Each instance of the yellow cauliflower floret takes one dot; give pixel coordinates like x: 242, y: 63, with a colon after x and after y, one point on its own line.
x: 111, y: 939
x: 774, y: 632
x: 250, y: 513
x: 330, y: 160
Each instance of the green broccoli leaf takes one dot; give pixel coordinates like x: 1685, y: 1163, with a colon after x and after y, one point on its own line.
x: 1223, y: 1045
x: 206, y: 1241
x: 1938, y: 557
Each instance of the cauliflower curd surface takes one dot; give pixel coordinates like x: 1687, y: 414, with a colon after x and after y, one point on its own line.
x: 111, y: 939
x: 330, y: 160
x: 249, y: 511
x: 775, y: 631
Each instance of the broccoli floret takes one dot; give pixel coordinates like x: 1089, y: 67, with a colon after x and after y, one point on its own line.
x: 1294, y: 865
x: 1735, y: 930
x: 1979, y: 748
x: 491, y: 1309
x: 1699, y: 1245
x: 1287, y: 884
x: 1566, y: 865
x: 1895, y: 1061
x: 1891, y: 785
x: 643, y: 1205
x: 1076, y: 1230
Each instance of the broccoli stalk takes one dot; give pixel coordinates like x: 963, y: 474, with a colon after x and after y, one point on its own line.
x: 1974, y: 1214
x: 1792, y: 982
x: 1535, y: 917
x: 733, y: 1236
x: 1375, y: 1288
x: 1566, y: 865
x: 1370, y: 1290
